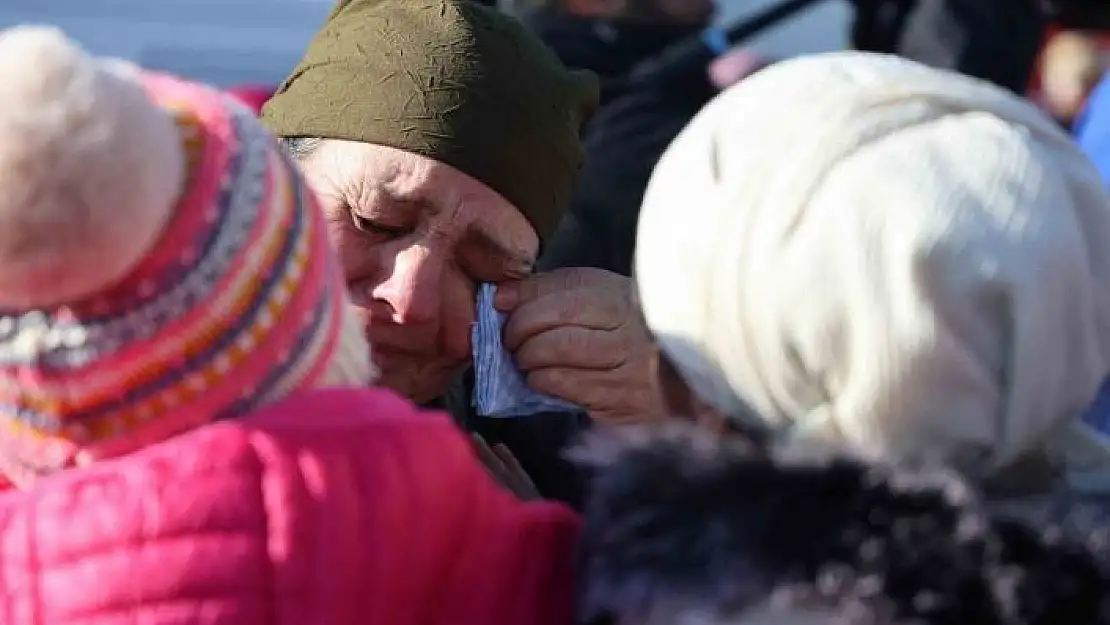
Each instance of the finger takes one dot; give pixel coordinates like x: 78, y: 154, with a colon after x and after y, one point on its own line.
x: 604, y: 394
x: 522, y: 482
x: 571, y: 347
x: 507, y: 458
x: 584, y: 308
x: 623, y: 417
x: 494, y: 466
x: 510, y: 295
x: 507, y: 296
x: 592, y: 390
x: 485, y: 454
x: 487, y: 457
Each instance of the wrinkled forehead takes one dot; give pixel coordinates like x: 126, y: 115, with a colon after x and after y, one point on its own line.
x: 479, y: 209
x: 453, y: 200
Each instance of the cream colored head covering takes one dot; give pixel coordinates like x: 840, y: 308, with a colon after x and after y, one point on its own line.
x: 910, y: 263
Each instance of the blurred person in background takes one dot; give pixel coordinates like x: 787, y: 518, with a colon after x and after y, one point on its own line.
x: 734, y: 66
x: 610, y: 36
x: 636, y: 119
x: 1071, y: 66
x: 1092, y: 130
x: 443, y: 140
x: 994, y: 40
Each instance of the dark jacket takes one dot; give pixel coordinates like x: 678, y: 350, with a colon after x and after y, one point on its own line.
x: 633, y: 126
x: 538, y: 442
x: 994, y: 40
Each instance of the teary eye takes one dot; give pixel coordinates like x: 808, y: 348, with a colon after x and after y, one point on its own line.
x: 370, y: 226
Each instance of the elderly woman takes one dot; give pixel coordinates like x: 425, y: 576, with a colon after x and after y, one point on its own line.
x: 893, y: 260
x: 442, y: 139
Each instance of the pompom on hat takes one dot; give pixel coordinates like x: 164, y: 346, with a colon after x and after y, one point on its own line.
x: 162, y: 263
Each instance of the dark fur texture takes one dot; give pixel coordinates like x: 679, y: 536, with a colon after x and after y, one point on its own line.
x: 680, y: 522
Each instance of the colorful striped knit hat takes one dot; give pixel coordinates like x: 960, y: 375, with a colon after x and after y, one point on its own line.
x: 162, y: 264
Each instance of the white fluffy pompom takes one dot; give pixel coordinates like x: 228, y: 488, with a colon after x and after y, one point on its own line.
x: 90, y: 170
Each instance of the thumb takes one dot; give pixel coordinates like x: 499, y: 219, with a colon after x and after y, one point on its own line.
x: 510, y: 295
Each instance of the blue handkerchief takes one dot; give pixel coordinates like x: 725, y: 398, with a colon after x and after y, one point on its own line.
x: 499, y: 389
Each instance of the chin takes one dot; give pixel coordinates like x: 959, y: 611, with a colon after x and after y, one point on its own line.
x: 419, y: 385
x: 417, y: 393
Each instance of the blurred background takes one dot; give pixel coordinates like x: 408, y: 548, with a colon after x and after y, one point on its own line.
x: 237, y: 42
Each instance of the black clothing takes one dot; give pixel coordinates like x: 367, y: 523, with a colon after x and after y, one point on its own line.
x: 994, y: 40
x: 537, y: 442
x: 609, y: 48
x: 630, y: 131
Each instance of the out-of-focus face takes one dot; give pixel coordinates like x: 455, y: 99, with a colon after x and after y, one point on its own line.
x: 1072, y: 66
x: 415, y: 237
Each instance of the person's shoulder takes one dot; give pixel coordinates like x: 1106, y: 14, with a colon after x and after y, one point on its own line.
x: 343, y: 409
x: 354, y: 420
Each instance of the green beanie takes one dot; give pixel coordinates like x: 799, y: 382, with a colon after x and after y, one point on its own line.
x: 451, y: 80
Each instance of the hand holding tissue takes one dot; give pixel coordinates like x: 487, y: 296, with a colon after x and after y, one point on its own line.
x: 577, y: 334
x: 499, y: 387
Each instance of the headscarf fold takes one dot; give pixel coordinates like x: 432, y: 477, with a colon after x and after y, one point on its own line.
x: 450, y: 80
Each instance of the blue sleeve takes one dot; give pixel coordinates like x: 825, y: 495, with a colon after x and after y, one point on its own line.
x: 1092, y: 130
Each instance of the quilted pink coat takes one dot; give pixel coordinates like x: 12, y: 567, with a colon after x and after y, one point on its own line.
x: 333, y: 508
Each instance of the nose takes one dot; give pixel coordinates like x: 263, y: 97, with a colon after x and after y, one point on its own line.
x: 412, y: 287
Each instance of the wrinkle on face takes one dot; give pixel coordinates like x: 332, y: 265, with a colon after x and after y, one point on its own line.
x: 415, y: 238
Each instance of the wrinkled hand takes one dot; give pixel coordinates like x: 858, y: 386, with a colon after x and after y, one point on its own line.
x: 504, y: 468
x: 576, y: 334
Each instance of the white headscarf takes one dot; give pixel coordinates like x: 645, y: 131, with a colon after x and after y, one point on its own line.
x: 911, y: 263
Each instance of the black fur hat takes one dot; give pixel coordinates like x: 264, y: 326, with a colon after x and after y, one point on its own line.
x: 683, y: 523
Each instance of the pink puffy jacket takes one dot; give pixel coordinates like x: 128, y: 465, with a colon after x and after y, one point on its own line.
x: 332, y: 508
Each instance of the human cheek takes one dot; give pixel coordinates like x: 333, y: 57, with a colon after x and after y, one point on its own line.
x: 457, y: 313
x: 358, y: 258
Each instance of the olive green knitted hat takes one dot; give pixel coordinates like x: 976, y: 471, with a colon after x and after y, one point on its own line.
x: 451, y: 80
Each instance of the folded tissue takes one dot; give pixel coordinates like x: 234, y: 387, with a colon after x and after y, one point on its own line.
x: 499, y: 388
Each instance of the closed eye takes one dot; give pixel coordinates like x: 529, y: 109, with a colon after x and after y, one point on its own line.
x: 484, y: 258
x: 362, y: 224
